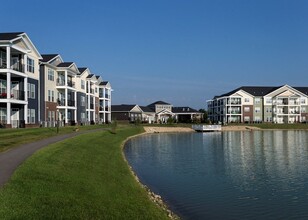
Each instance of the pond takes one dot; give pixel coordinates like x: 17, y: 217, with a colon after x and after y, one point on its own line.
x: 226, y: 175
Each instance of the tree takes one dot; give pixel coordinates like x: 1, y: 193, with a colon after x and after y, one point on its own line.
x: 204, y: 116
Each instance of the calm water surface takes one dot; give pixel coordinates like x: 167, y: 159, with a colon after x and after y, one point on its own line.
x: 228, y: 175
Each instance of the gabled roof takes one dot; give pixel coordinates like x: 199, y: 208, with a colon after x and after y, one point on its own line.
x: 122, y: 108
x: 65, y: 64
x: 9, y: 36
x: 82, y: 69
x: 104, y: 83
x: 302, y: 89
x: 90, y: 76
x: 146, y: 109
x: 183, y: 110
x: 159, y: 103
x: 48, y: 57
x: 97, y: 77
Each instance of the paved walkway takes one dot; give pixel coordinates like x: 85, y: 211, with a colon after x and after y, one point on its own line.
x: 10, y: 160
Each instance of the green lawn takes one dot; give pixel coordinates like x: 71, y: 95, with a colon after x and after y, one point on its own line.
x: 16, y: 137
x: 84, y: 177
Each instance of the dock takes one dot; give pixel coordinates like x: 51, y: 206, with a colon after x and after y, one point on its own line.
x: 206, y: 128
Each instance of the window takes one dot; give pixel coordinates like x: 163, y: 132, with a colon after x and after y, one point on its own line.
x: 2, y: 59
x: 257, y: 118
x: 247, y: 109
x: 52, y: 96
x: 2, y: 86
x: 51, y: 75
x: 246, y: 118
x: 303, y: 101
x: 246, y: 99
x: 257, y: 109
x: 83, y: 101
x: 31, y: 91
x: 31, y: 116
x: 49, y: 95
x: 82, y: 84
x: 83, y: 116
x: 30, y: 65
x: 257, y: 100
x: 268, y: 101
x: 2, y: 114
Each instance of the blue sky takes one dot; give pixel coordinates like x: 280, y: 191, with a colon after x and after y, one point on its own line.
x: 180, y: 51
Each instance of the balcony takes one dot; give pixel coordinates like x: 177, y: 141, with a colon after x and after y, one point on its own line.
x: 15, y: 94
x: 61, y: 82
x: 18, y: 66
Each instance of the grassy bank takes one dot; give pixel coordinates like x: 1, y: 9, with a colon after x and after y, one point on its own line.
x: 81, y: 178
x: 16, y: 137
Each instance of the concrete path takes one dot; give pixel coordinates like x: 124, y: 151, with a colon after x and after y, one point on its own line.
x: 10, y: 160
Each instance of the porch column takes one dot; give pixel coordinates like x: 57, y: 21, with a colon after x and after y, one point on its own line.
x: 75, y: 98
x: 8, y: 57
x: 66, y: 121
x: 8, y: 113
x: 26, y: 99
x: 8, y: 85
x: 25, y: 63
x: 104, y: 107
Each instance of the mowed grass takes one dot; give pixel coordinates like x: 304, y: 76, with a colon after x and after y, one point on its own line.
x: 15, y: 137
x: 84, y: 177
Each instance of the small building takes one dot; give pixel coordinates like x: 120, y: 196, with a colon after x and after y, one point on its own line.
x: 187, y: 114
x: 157, y: 112
x: 129, y: 113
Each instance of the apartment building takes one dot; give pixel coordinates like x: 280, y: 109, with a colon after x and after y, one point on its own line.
x: 43, y: 90
x: 70, y: 93
x: 19, y: 80
x: 255, y: 104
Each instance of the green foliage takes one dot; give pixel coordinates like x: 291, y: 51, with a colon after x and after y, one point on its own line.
x: 84, y: 177
x: 114, y: 126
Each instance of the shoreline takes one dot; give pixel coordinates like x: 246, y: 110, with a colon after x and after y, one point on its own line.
x: 155, y: 198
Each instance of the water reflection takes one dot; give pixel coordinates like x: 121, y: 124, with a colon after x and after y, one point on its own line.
x: 228, y: 175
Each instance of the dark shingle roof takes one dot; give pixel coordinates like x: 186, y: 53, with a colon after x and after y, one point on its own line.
x: 146, y: 109
x: 122, y: 108
x: 253, y: 90
x: 302, y: 89
x: 10, y: 36
x: 48, y: 57
x: 97, y: 77
x: 183, y: 110
x: 82, y: 69
x: 90, y: 76
x: 65, y: 64
x: 159, y: 103
x: 104, y: 83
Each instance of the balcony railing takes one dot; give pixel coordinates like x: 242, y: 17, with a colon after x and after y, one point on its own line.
x: 15, y: 94
x: 61, y: 82
x: 18, y: 67
x: 71, y: 103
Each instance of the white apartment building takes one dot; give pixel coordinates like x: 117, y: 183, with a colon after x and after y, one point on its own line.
x: 19, y: 76
x: 255, y: 104
x: 41, y: 90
